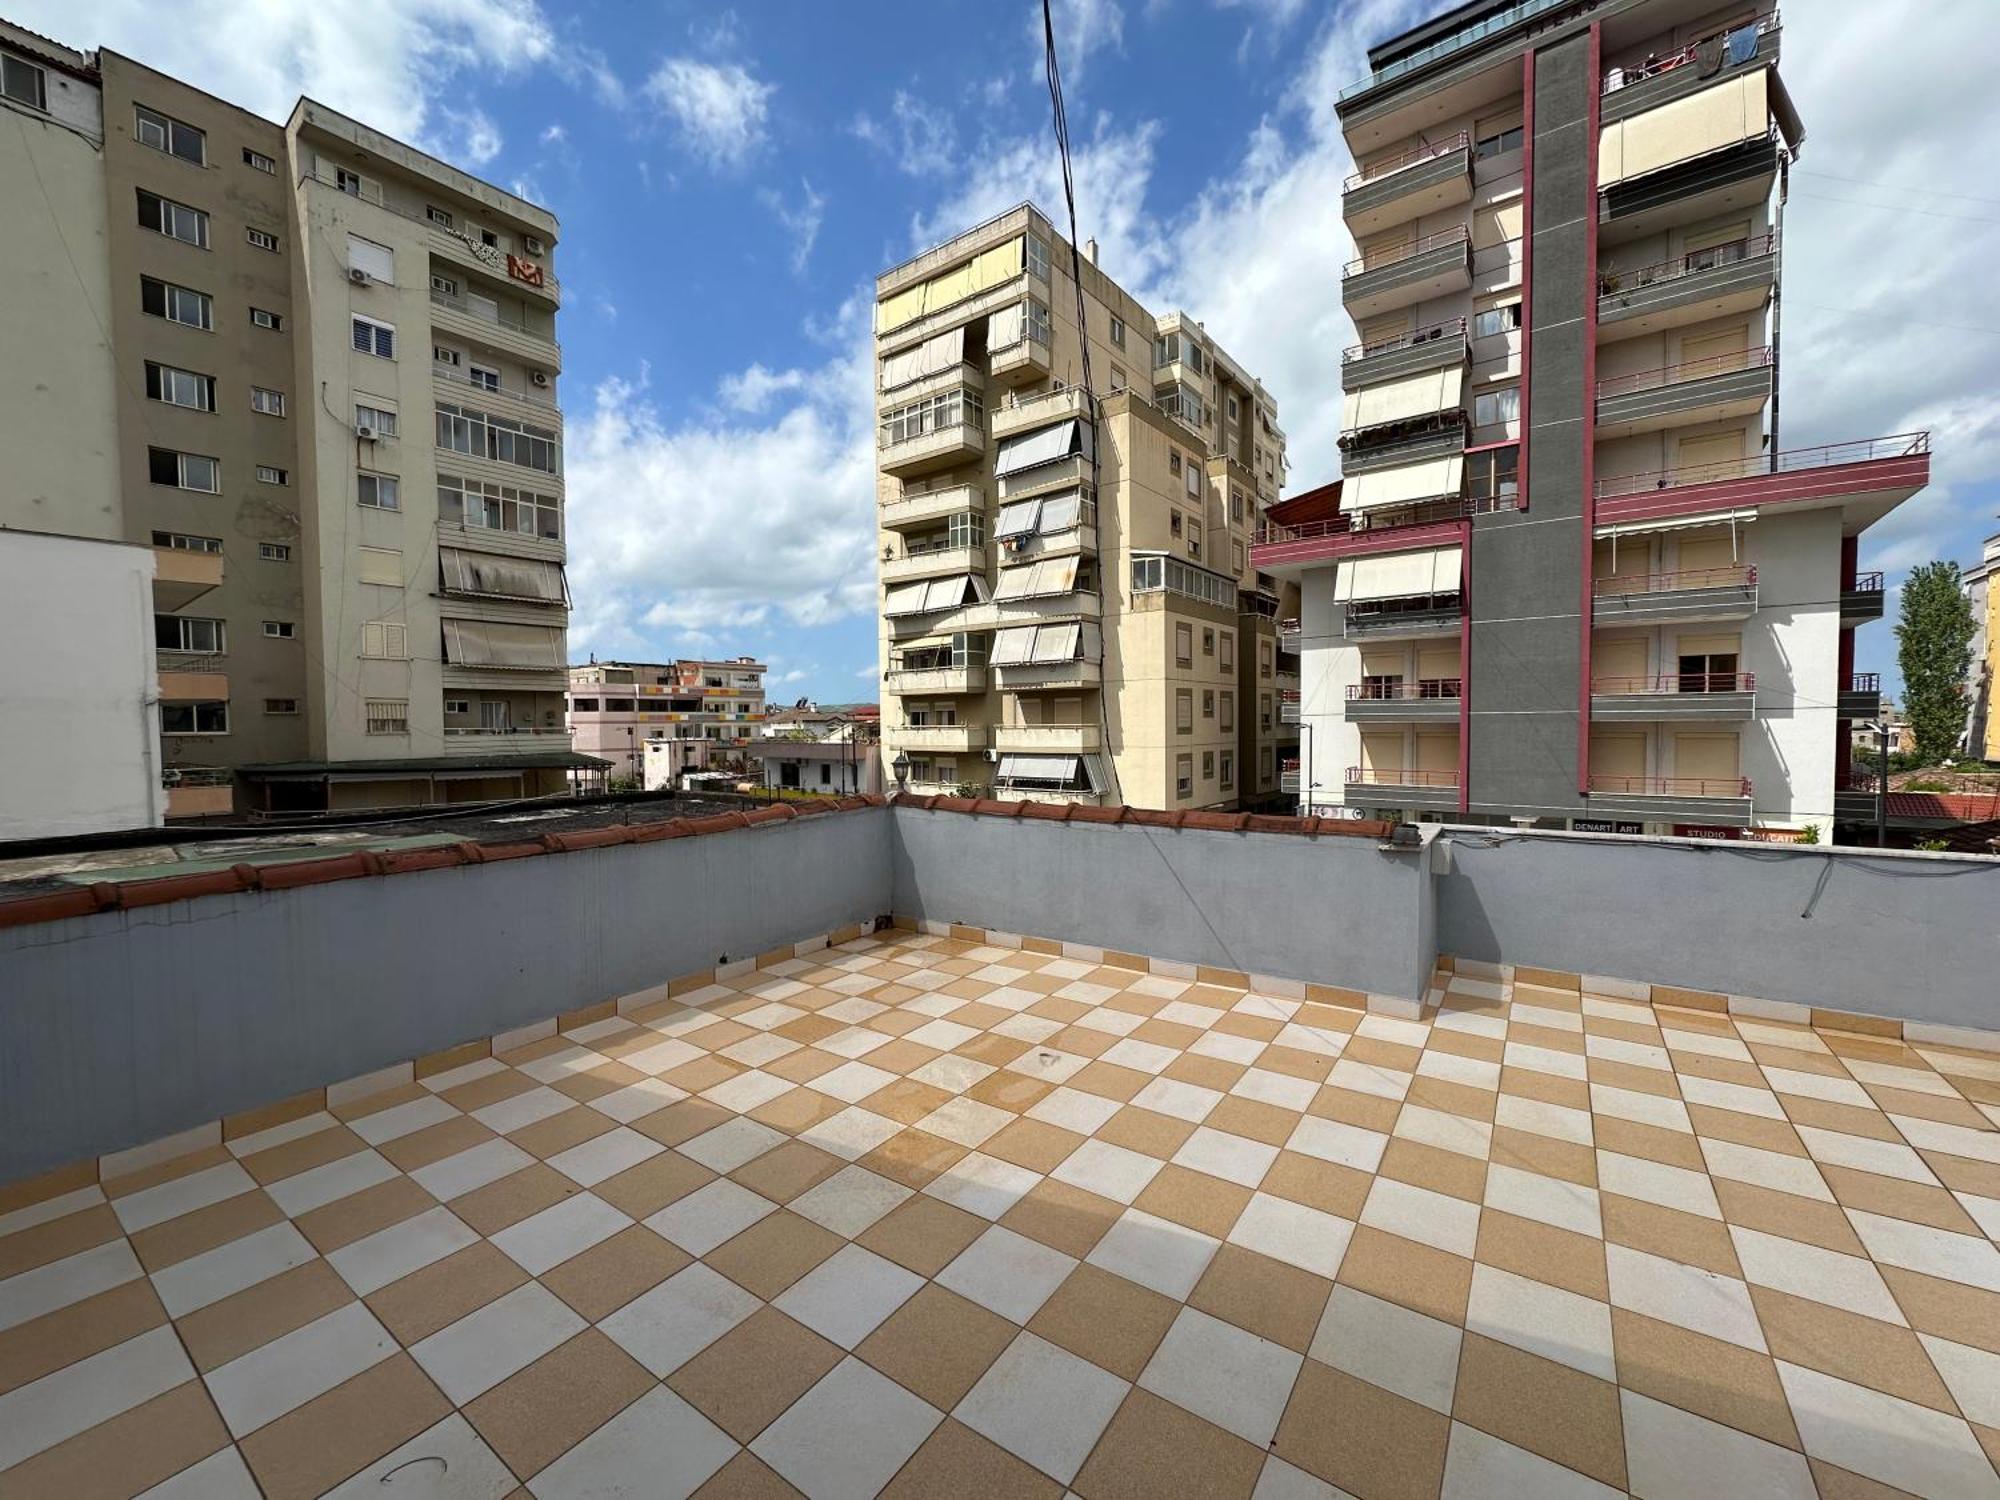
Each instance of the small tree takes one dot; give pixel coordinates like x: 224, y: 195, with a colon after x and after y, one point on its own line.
x: 1933, y: 647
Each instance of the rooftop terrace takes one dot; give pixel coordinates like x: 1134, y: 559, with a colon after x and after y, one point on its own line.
x: 731, y: 1159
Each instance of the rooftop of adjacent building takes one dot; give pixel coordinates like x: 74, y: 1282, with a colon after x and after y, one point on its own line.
x: 769, y: 1190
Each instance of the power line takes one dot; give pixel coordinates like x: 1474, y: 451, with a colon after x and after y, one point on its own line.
x: 1898, y: 208
x: 1893, y: 187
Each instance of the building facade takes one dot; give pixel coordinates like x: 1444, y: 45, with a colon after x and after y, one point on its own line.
x: 1069, y: 607
x: 1573, y: 576
x: 331, y: 412
x: 700, y: 713
x: 1981, y: 583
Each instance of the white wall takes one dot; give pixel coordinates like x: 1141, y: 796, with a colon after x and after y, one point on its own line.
x: 1328, y: 666
x: 79, y: 738
x: 1792, y: 644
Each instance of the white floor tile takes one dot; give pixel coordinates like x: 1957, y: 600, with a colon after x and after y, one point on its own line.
x: 1043, y: 1404
x: 455, y: 1176
x: 486, y: 1346
x: 1154, y: 1252
x: 1478, y: 1466
x: 848, y: 1295
x: 1453, y: 1068
x: 1300, y: 1236
x: 545, y: 1240
x: 471, y: 1470
x: 48, y: 1411
x: 1233, y: 1158
x: 951, y: 1073
x: 330, y: 1183
x: 668, y: 1326
x: 1109, y: 1171
x: 663, y: 1056
x: 1952, y: 1140
x: 1544, y: 1200
x: 451, y: 1078
x: 1389, y: 1345
x: 1546, y: 1060
x: 1865, y: 1154
x: 1935, y: 1252
x: 390, y: 1254
x: 1973, y: 1376
x: 850, y: 1200
x: 228, y: 1268
x: 183, y: 1195
x: 659, y: 1447
x: 313, y: 1124
x: 59, y: 1283
x: 982, y: 1184
x: 1232, y: 1378
x: 50, y: 1209
x: 1338, y: 1142
x: 1278, y: 1480
x: 1818, y: 1086
x: 852, y: 1082
x: 1430, y: 1218
x: 1769, y: 1169
x: 1810, y: 1271
x: 1895, y: 1441
x: 605, y: 1156
x: 221, y: 1476
x: 1640, y: 1108
x: 522, y: 1110
x: 732, y: 1144
x: 747, y: 1090
x: 1447, y: 1132
x: 403, y: 1119
x: 1072, y: 1109
x: 709, y: 1215
x: 855, y: 1041
x: 848, y: 1435
x: 1145, y: 1057
x: 966, y: 1121
x: 1007, y: 1272
x: 1683, y: 1295
x: 1655, y: 1182
x: 636, y: 1101
x: 1547, y: 1320
x: 1369, y: 1078
x: 1281, y: 1089
x: 1183, y: 1101
x: 285, y: 1374
x: 851, y: 1134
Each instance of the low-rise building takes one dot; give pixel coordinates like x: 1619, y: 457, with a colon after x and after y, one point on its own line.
x: 706, y: 712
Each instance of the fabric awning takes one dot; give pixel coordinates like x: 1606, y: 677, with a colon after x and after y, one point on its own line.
x: 1007, y: 327
x: 928, y: 358
x: 1398, y: 575
x: 1403, y: 486
x: 1045, y: 445
x: 1676, y: 523
x: 1012, y: 648
x: 1414, y: 396
x: 491, y: 643
x: 1039, y: 767
x: 501, y: 577
x: 939, y: 593
x: 1017, y: 518
x: 1048, y: 575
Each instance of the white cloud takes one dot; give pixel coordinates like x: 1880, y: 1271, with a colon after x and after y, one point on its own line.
x: 753, y: 390
x: 554, y: 134
x: 800, y: 220
x: 477, y: 138
x: 918, y: 138
x: 1082, y: 27
x: 719, y: 108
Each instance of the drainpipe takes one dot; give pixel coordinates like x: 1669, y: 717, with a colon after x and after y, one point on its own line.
x: 1777, y: 305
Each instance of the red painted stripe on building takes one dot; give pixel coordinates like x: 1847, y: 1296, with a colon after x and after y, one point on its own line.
x: 1465, y: 668
x: 1869, y: 476
x: 1589, y: 404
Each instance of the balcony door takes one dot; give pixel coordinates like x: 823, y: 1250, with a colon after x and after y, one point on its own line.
x: 1617, y: 755
x: 1706, y: 459
x: 1708, y: 663
x: 1617, y: 665
x: 1382, y: 753
x: 1715, y: 353
x: 494, y: 716
x: 1710, y: 758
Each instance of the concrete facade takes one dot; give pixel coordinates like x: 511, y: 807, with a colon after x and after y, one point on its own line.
x: 708, y: 711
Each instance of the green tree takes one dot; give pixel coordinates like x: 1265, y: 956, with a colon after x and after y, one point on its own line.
x: 1933, y: 647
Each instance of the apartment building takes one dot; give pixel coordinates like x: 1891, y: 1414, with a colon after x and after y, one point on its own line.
x: 1069, y: 608
x: 1572, y: 575
x: 1981, y: 583
x: 699, y: 713
x: 330, y: 410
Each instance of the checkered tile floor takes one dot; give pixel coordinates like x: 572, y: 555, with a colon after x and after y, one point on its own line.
x: 921, y: 1217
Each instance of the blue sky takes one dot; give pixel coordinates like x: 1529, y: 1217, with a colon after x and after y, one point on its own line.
x: 729, y: 181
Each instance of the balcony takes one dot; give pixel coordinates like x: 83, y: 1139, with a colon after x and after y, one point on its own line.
x: 1424, y: 180
x: 492, y: 329
x: 935, y: 737
x: 1078, y: 796
x: 1038, y: 677
x: 936, y: 562
x: 1290, y: 709
x: 1861, y: 696
x: 1633, y: 91
x: 531, y: 275
x: 1414, y: 271
x: 193, y: 676
x: 1861, y: 602
x: 180, y: 577
x: 1394, y: 787
x: 1427, y: 616
x: 941, y: 448
x: 1713, y: 389
x: 1024, y: 414
x: 1057, y: 739
x: 1452, y: 42
x: 478, y: 740
x: 1683, y: 597
x: 1428, y: 700
x: 1691, y: 288
x: 1733, y: 175
x: 1436, y: 346
x: 1867, y: 478
x: 935, y: 680
x: 1858, y: 798
x: 1677, y: 697
x: 531, y: 403
x: 1021, y: 363
x: 1721, y: 800
x: 199, y: 791
x: 1289, y: 779
x: 1290, y: 633
x: 929, y: 506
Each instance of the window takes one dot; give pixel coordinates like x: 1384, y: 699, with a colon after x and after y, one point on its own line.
x: 1192, y: 475
x: 260, y: 239
x: 175, y: 220
x: 200, y: 637
x: 1208, y: 703
x: 1117, y: 378
x: 1183, y: 776
x: 1194, y: 541
x: 1497, y: 134
x: 268, y: 474
x: 371, y: 337
x: 437, y: 216
x: 177, y: 304
x: 1174, y: 523
x: 463, y: 706
x: 444, y: 356
x: 281, y: 630
x: 281, y: 706
x: 151, y: 128
x: 1118, y: 331
x: 448, y: 285
x: 385, y: 640
x: 1502, y: 319
x: 1183, y: 644
x: 382, y: 565
x: 1038, y: 258
x: 258, y: 160
x: 1238, y: 507
x: 377, y: 262
x: 1208, y: 765
x: 1228, y: 781
x: 489, y: 239
x: 194, y: 718
x: 1264, y: 712
x: 497, y: 507
x: 1228, y: 650
x: 179, y: 387
x: 1493, y: 473
x: 378, y: 490
x: 934, y: 414
x: 388, y: 716
x: 1263, y: 658
x: 263, y: 399
x: 274, y: 551
x: 263, y: 319
x: 23, y: 82
x: 184, y: 471
x: 1238, y: 556
x: 463, y: 430
x: 377, y: 419
x: 1227, y: 723
x: 1496, y: 406
x: 1183, y: 710
x: 181, y: 542
x: 1233, y: 410
x: 483, y: 377
x: 1264, y: 759
x: 348, y: 182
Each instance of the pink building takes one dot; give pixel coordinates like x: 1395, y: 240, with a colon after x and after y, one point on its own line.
x: 709, y: 709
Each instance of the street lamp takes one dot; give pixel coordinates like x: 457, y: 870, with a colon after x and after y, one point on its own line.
x: 901, y: 766
x: 1880, y: 727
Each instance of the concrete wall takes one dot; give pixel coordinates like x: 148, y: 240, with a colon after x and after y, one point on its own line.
x: 1915, y: 936
x: 124, y: 1027
x: 1336, y: 911
x: 79, y: 737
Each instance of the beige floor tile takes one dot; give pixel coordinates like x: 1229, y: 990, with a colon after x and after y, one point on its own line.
x: 1154, y: 1448
x: 746, y: 1378
x: 1963, y: 1175
x: 955, y: 1460
x: 444, y: 1291
x: 361, y: 1214
x: 303, y: 1154
x: 784, y: 1172
x: 922, y: 1235
x: 1318, y: 1184
x: 1692, y: 1239
x: 176, y: 1240
x: 1560, y: 1257
x: 1032, y: 1144
x: 1448, y: 1172
x: 1745, y: 1129
x: 514, y: 1197
x: 612, y: 1272
x: 1362, y: 1438
x: 1109, y: 1080
x: 682, y: 1121
x: 1369, y: 1111
x: 1830, y: 1115
x: 1674, y: 1148
x: 309, y: 1450
x: 1062, y: 1217
x: 1711, y: 1378
x: 744, y: 1477
x: 773, y: 1253
x: 800, y: 1109
x: 1788, y: 1214
x: 490, y: 1088
x: 1921, y: 1203
x: 937, y: 1345
x: 1453, y: 1098
x: 1114, y: 1323
x: 642, y: 1190
x: 1415, y: 1276
x: 1547, y: 1408
x: 1836, y: 1483
x: 435, y: 1142
x: 913, y: 1157
x: 66, y: 1236
x: 1193, y: 1198
x: 40, y: 1346
x: 1262, y: 1296
x: 253, y: 1317
x: 1253, y: 1119
x: 536, y: 1415
x: 1949, y: 1309
x: 1865, y: 1351
x: 907, y: 1101
x: 132, y: 1452
x: 1569, y: 1161
x: 559, y: 1132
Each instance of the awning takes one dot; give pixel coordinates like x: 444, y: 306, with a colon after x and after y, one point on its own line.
x: 928, y: 358
x: 939, y: 593
x: 1046, y: 645
x: 502, y: 577
x: 1398, y: 575
x: 1045, y: 445
x: 1676, y: 523
x: 1017, y: 519
x: 1007, y: 327
x: 1048, y: 575
x: 1415, y: 396
x: 1403, y: 486
x: 491, y: 643
x: 1039, y: 767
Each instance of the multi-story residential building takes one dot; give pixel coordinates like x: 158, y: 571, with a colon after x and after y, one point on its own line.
x: 1981, y: 582
x: 1572, y: 575
x: 1069, y: 610
x: 702, y: 713
x: 331, y: 412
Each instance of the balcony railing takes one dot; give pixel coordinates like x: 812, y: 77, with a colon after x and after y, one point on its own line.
x: 1492, y: 25
x: 1653, y: 67
x: 1428, y: 151
x: 1398, y: 691
x: 1386, y: 518
x: 1751, y: 466
x: 1672, y: 786
x: 1394, y: 255
x: 1864, y: 682
x: 460, y: 731
x: 1611, y: 282
x: 1674, y: 682
x: 1380, y: 776
x: 460, y: 377
x: 1738, y: 575
x: 1416, y: 604
x: 184, y: 776
x: 1693, y: 369
x: 499, y: 319
x: 1451, y: 327
x: 1865, y: 583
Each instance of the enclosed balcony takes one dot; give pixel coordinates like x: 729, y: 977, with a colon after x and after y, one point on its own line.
x: 1715, y: 388
x: 1413, y: 271
x: 1861, y: 696
x: 1674, y: 696
x: 1435, y: 346
x: 938, y: 431
x: 1719, y: 800
x: 530, y: 338
x: 1403, y: 787
x: 1681, y: 597
x: 1690, y: 68
x: 1289, y: 706
x: 1049, y: 738
x: 1736, y: 277
x: 936, y: 680
x: 1861, y: 601
x: 1423, y: 180
x: 1394, y: 700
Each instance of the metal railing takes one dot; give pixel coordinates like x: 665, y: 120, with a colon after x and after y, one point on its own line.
x: 180, y: 776
x: 1735, y: 575
x: 1864, y: 682
x: 1428, y: 151
x: 1395, y: 255
x: 1415, y: 604
x: 460, y: 377
x: 1415, y: 336
x: 1674, y: 682
x: 1672, y: 786
x: 1378, y: 776
x: 494, y: 316
x: 453, y: 730
x: 1386, y: 518
x: 1865, y: 583
x: 1653, y: 67
x: 1289, y: 629
x: 1395, y: 690
x: 1756, y: 465
x: 1611, y: 281
x: 1758, y: 358
x: 1492, y: 25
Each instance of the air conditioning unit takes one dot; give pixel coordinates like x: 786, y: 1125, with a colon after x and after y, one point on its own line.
x: 992, y: 755
x: 539, y: 377
x: 358, y: 276
x: 365, y: 433
x: 532, y: 243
